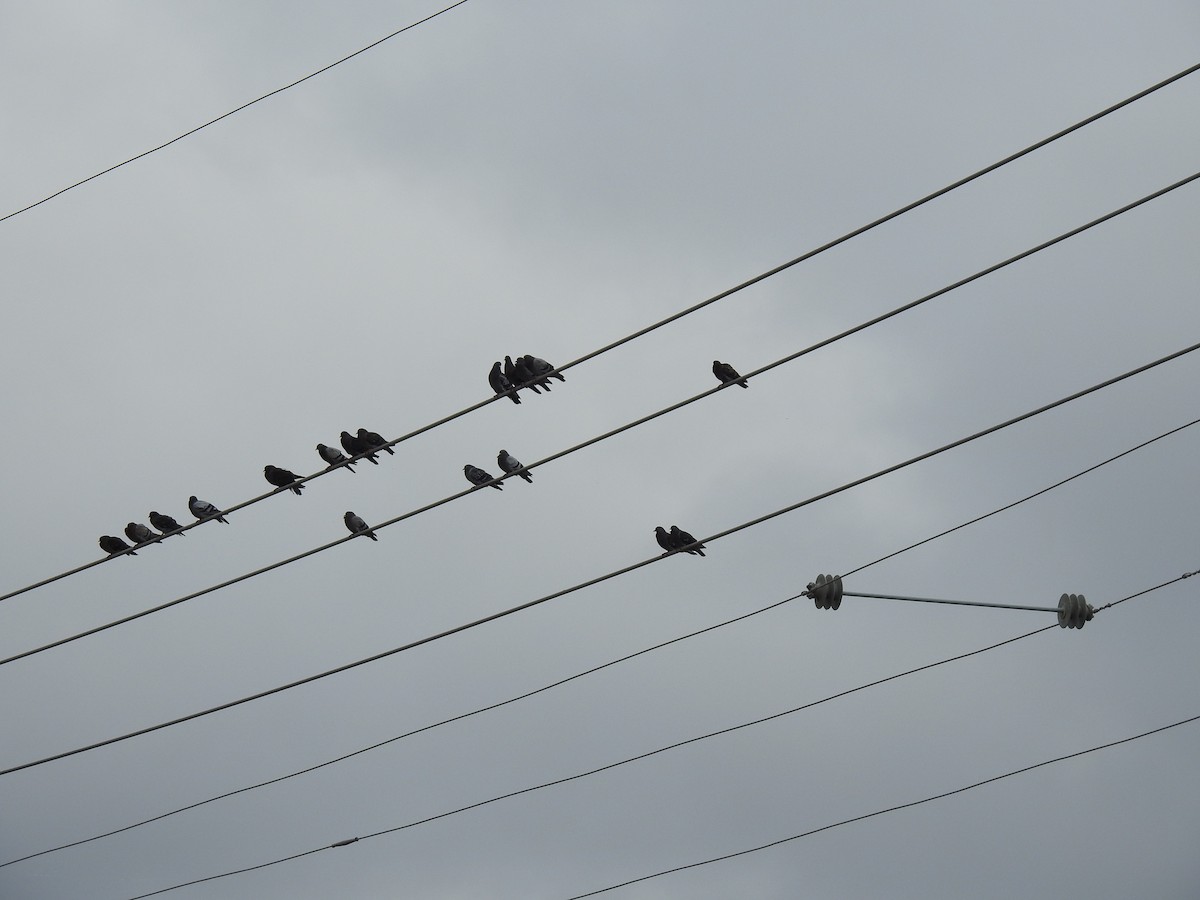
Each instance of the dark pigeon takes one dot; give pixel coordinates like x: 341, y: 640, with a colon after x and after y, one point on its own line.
x: 334, y: 456
x: 357, y: 525
x: 354, y: 446
x: 541, y: 367
x: 682, y: 539
x: 500, y: 384
x: 375, y: 441
x: 163, y: 523
x: 283, y: 478
x: 534, y: 376
x: 140, y: 534
x: 114, y: 545
x: 511, y: 464
x: 202, y: 510
x: 522, y: 376
x: 664, y: 539
x: 727, y: 373
x: 480, y: 477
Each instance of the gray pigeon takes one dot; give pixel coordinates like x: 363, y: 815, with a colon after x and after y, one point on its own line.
x: 501, y: 385
x: 357, y: 525
x: 511, y: 464
x: 163, y: 523
x: 541, y: 367
x: 682, y: 539
x: 114, y: 545
x: 664, y: 539
x: 727, y: 373
x: 283, y: 478
x: 375, y: 440
x: 479, y: 477
x: 334, y: 456
x: 354, y: 447
x: 202, y: 510
x: 140, y: 534
x: 521, y: 375
x: 534, y: 375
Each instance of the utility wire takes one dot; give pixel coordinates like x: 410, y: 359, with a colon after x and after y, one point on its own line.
x: 665, y: 749
x: 598, y: 668
x: 691, y: 309
x: 601, y: 578
x: 626, y: 427
x: 279, y: 90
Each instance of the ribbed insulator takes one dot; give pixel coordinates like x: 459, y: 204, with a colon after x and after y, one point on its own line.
x: 1074, y: 611
x: 826, y: 591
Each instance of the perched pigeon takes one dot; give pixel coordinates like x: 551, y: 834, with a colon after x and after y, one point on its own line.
x: 114, y: 545
x: 500, y: 384
x: 682, y: 539
x: 358, y: 526
x: 727, y: 373
x: 664, y: 539
x: 522, y: 375
x: 202, y: 510
x: 333, y: 457
x: 541, y: 367
x: 140, y: 534
x: 283, y: 478
x: 375, y: 440
x: 511, y: 464
x: 480, y: 477
x: 354, y: 446
x: 164, y: 523
x: 535, y: 377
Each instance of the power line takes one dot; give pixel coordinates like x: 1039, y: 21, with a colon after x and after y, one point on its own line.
x: 602, y: 666
x: 674, y: 317
x: 626, y: 427
x: 601, y: 578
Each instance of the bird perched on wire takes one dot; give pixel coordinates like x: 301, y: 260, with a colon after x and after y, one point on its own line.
x: 727, y: 373
x: 163, y: 523
x: 140, y: 534
x: 681, y: 540
x: 334, y: 456
x: 357, y: 526
x: 664, y: 539
x: 202, y: 510
x: 541, y: 367
x: 518, y: 373
x: 500, y: 383
x: 114, y: 545
x: 375, y: 441
x: 479, y: 477
x: 282, y: 478
x: 511, y: 464
x: 354, y: 446
x: 535, y: 376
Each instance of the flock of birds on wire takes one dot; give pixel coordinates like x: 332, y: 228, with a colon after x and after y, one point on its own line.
x: 527, y: 372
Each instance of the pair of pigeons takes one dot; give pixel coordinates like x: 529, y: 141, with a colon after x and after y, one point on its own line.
x: 677, y: 539
x: 140, y: 534
x: 527, y: 372
x: 506, y: 461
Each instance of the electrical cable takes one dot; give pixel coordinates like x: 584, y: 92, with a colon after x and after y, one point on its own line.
x: 594, y: 669
x: 674, y: 317
x: 601, y: 578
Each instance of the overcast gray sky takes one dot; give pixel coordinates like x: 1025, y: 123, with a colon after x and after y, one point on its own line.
x: 545, y: 177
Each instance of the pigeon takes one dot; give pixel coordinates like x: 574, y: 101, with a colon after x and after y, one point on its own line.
x: 333, y: 457
x: 682, y: 539
x: 511, y: 464
x: 480, y: 477
x: 114, y: 545
x: 534, y: 376
x: 375, y: 440
x: 283, y: 478
x: 664, y: 539
x: 140, y: 534
x: 727, y: 373
x: 522, y: 375
x: 354, y: 446
x: 541, y: 367
x: 202, y: 510
x: 163, y: 523
x: 500, y: 384
x: 357, y: 525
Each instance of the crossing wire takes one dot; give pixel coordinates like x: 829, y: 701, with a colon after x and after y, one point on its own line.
x: 676, y: 316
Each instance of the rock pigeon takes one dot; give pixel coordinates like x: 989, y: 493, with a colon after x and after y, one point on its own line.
x: 114, y: 545
x: 511, y: 464
x: 522, y: 376
x: 500, y: 384
x: 480, y: 477
x: 534, y: 376
x: 664, y: 539
x: 541, y: 367
x: 140, y: 534
x: 357, y: 525
x: 283, y: 478
x: 202, y: 510
x: 334, y: 456
x: 727, y: 373
x: 354, y: 446
x: 682, y: 539
x: 164, y: 523
x: 375, y: 440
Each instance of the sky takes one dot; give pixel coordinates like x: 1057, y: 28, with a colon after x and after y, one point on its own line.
x: 546, y: 178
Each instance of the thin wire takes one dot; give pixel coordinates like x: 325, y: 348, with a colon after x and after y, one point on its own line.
x: 597, y: 580
x: 626, y: 427
x: 721, y: 296
x: 594, y: 669
x: 279, y: 90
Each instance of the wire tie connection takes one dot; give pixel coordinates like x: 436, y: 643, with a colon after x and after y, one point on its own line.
x: 346, y: 843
